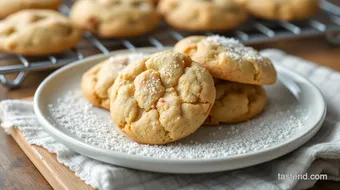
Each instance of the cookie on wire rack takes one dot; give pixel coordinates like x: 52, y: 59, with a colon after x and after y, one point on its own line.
x: 8, y: 7
x: 288, y: 10
x: 37, y: 32
x: 115, y: 18
x: 200, y: 15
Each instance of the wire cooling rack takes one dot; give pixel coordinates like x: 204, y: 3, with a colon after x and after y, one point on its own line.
x: 253, y: 32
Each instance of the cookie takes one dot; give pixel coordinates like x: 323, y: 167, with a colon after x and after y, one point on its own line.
x: 96, y: 82
x: 162, y: 98
x: 8, y: 7
x: 202, y: 15
x: 115, y: 18
x: 228, y: 59
x: 287, y: 10
x: 236, y: 102
x: 37, y: 32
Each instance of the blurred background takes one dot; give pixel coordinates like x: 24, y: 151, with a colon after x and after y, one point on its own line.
x: 308, y: 37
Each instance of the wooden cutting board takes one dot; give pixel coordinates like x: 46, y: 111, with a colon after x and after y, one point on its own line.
x: 58, y: 175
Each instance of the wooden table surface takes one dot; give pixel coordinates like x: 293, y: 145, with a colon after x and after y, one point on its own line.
x: 17, y: 171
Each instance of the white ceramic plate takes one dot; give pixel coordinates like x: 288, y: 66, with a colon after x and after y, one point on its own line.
x: 292, y: 86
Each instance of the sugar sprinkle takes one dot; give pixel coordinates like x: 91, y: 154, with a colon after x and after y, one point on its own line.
x: 281, y: 119
x: 235, y: 49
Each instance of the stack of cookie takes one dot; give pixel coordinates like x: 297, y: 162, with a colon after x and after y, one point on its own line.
x: 166, y: 96
x: 238, y: 71
x: 154, y: 99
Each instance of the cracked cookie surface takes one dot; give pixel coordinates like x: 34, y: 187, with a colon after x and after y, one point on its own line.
x: 281, y: 9
x: 37, y: 32
x: 236, y: 102
x: 162, y: 98
x: 115, y: 18
x: 228, y: 59
x: 96, y: 82
x: 202, y: 15
x: 8, y: 7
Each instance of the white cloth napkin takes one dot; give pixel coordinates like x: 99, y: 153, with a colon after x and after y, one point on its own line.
x: 319, y: 155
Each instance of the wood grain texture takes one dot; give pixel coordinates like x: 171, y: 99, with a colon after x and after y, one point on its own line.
x: 18, y: 172
x: 58, y: 175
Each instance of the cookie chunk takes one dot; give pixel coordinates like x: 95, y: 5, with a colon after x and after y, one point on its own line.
x: 281, y: 9
x: 37, y: 32
x: 162, y: 98
x: 202, y: 15
x: 236, y: 102
x: 228, y: 59
x: 115, y: 18
x: 8, y: 7
x: 96, y: 82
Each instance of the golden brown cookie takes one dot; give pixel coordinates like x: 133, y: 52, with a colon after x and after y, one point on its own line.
x: 96, y: 82
x: 236, y: 102
x: 8, y: 7
x: 228, y: 59
x: 37, y: 32
x: 202, y: 15
x: 115, y: 18
x: 162, y: 98
x: 281, y: 9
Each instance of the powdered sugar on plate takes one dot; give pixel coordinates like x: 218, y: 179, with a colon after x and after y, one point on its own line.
x: 281, y: 119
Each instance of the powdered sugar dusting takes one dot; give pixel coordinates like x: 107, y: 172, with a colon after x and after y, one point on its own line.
x: 234, y: 48
x: 281, y: 119
x: 151, y: 85
x: 150, y: 88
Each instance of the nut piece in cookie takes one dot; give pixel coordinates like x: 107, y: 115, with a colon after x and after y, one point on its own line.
x: 8, y: 7
x: 281, y: 9
x: 228, y: 59
x: 202, y: 15
x: 162, y: 98
x: 37, y: 32
x: 96, y: 82
x: 236, y: 102
x: 115, y: 18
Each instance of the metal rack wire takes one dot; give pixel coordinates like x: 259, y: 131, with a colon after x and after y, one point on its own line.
x: 255, y: 31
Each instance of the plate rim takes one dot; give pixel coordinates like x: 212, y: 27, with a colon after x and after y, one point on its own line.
x: 66, y: 139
